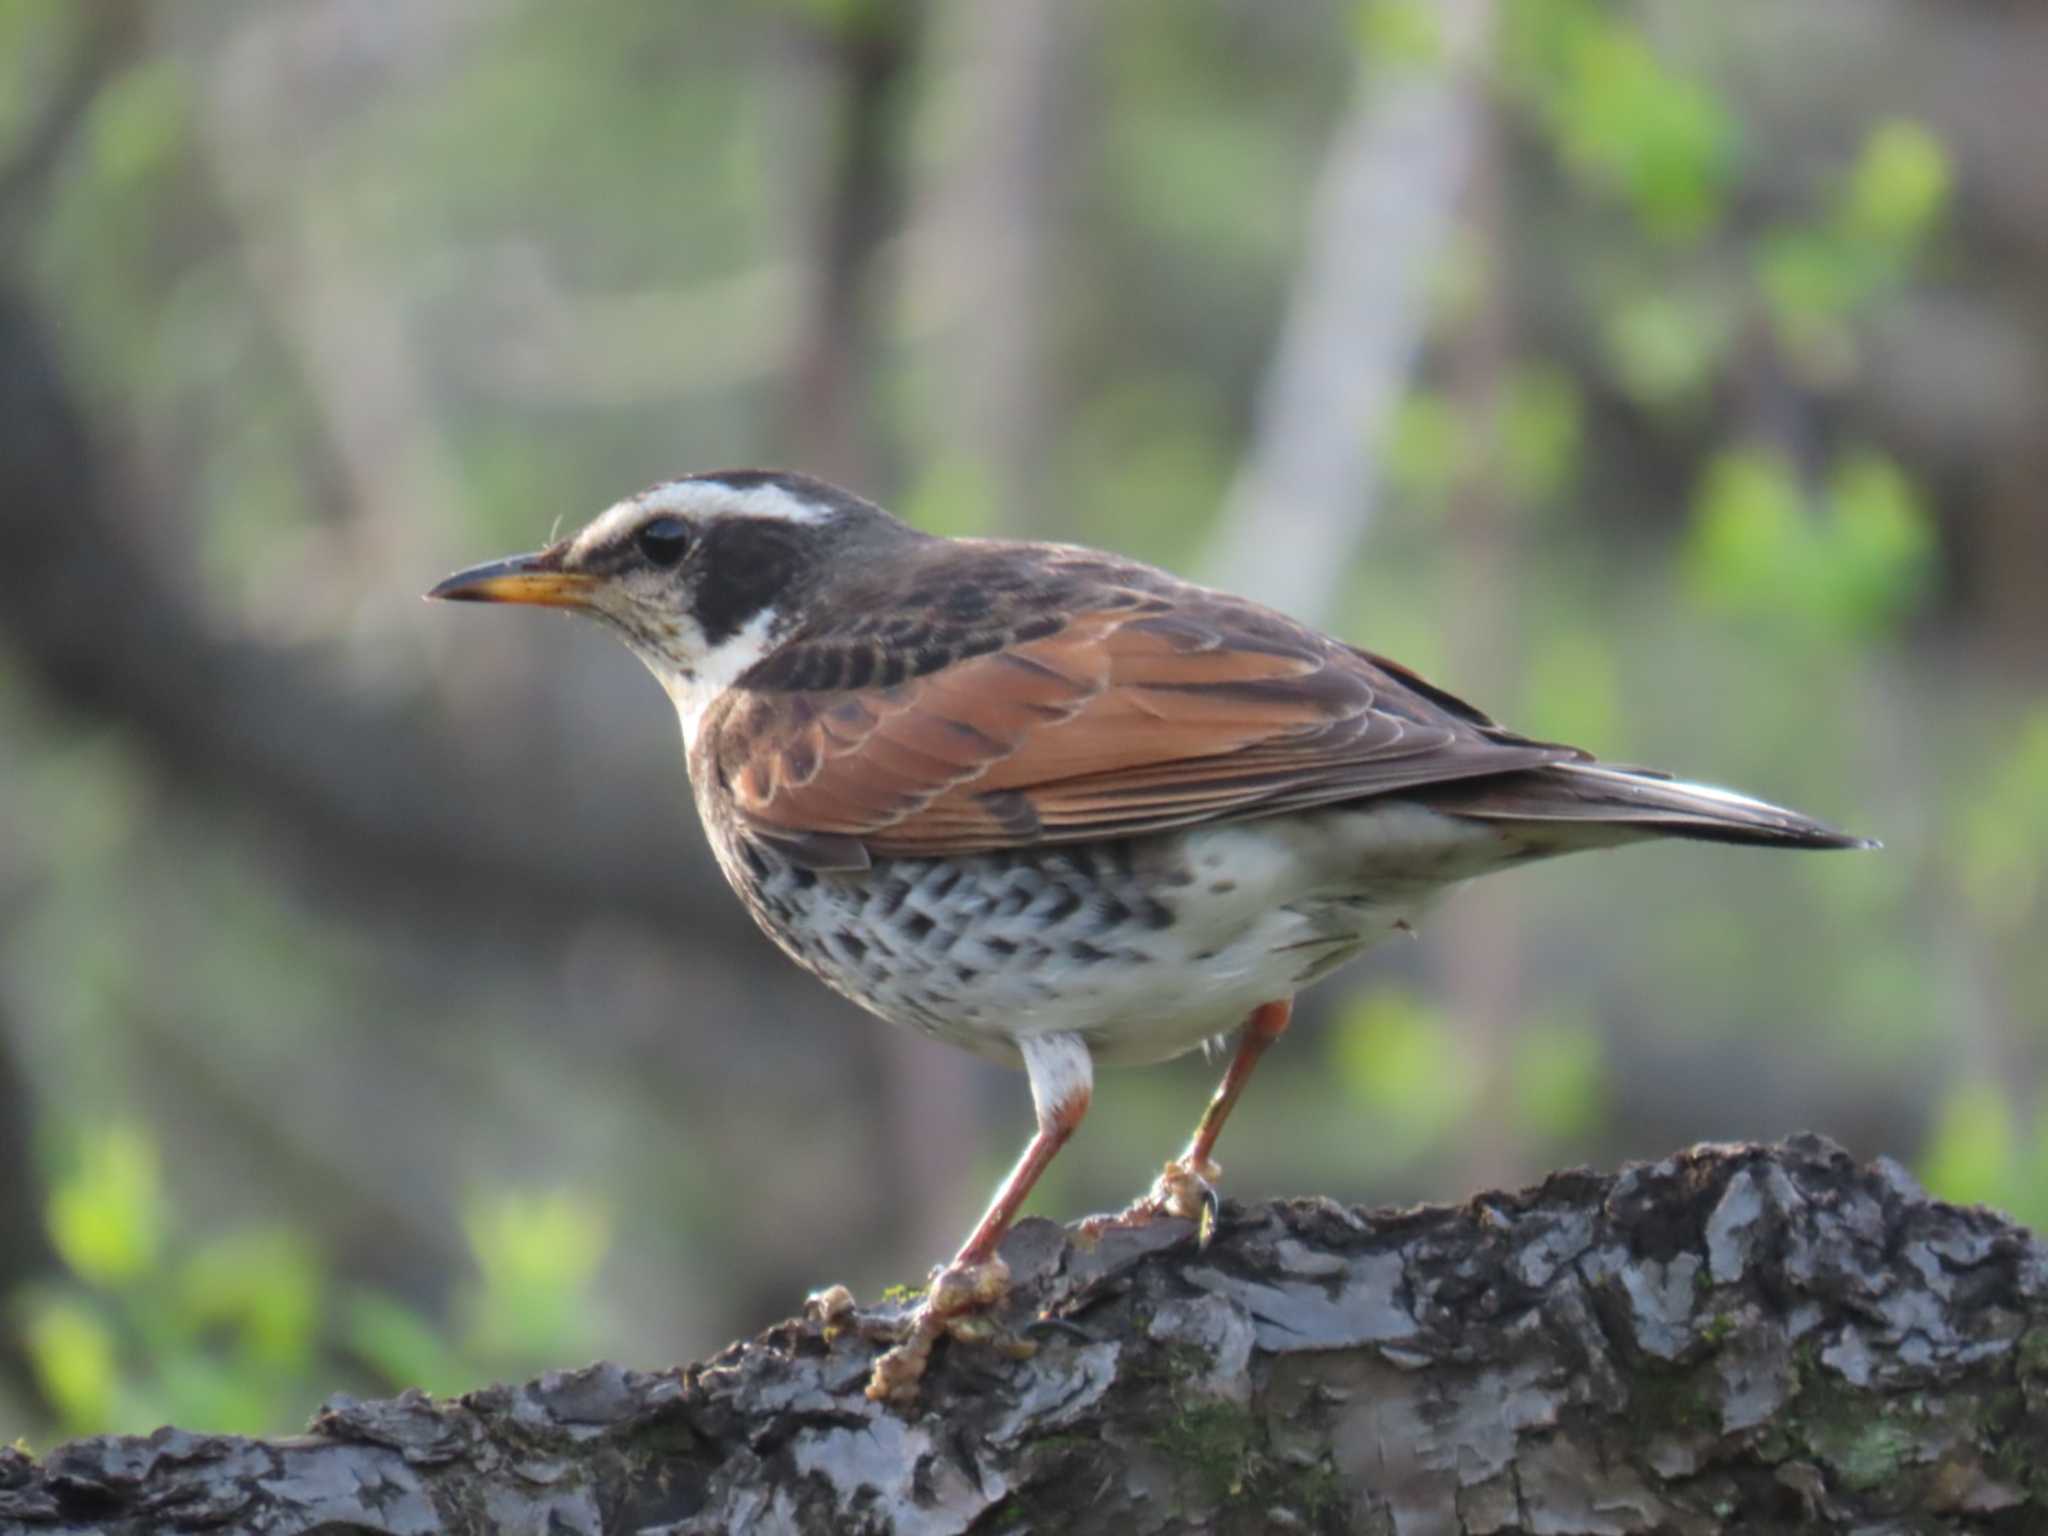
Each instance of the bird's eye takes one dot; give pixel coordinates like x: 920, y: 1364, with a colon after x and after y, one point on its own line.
x: 664, y: 541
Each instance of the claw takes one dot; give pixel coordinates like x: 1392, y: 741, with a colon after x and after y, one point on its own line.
x: 956, y: 1305
x: 951, y: 1291
x: 1187, y: 1189
x: 967, y: 1287
x: 1205, y: 1226
x: 1184, y: 1188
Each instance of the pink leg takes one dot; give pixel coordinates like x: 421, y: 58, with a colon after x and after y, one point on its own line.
x: 1268, y: 1023
x: 1184, y: 1187
x: 1062, y: 1082
x: 1053, y: 1130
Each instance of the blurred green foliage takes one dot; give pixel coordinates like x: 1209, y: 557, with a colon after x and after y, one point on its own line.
x: 1817, y: 277
x: 106, y: 1220
x: 1621, y: 119
x: 1850, y: 569
x: 1664, y: 346
x: 1819, y: 564
x: 2002, y: 837
x: 1398, y: 1058
x: 247, y: 1331
x: 1558, y: 1077
x: 1979, y: 1152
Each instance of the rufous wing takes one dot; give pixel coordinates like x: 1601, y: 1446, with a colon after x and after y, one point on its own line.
x: 1126, y: 719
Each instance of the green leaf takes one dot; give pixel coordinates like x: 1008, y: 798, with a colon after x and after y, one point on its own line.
x: 1972, y: 1152
x: 1540, y: 434
x: 1807, y: 275
x: 403, y: 1347
x: 1900, y: 186
x: 1817, y: 278
x: 1851, y: 566
x: 1665, y: 346
x: 538, y: 1253
x: 1666, y: 144
x: 1539, y: 38
x: 1751, y: 548
x: 1881, y: 545
x: 73, y: 1350
x: 106, y: 1218
x: 265, y: 1284
x: 196, y: 1387
x: 1425, y: 447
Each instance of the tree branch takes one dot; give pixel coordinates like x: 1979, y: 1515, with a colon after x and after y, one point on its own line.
x: 1738, y: 1338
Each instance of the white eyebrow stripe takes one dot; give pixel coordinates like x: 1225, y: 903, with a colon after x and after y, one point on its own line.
x: 605, y: 527
x: 698, y: 498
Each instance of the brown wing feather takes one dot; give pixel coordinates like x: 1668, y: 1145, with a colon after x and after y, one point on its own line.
x: 1153, y: 707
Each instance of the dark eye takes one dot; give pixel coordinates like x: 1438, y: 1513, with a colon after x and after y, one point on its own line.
x: 664, y: 541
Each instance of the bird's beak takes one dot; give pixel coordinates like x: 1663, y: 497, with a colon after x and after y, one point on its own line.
x: 522, y: 579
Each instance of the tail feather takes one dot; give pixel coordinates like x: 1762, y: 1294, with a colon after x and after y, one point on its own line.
x: 1587, y: 803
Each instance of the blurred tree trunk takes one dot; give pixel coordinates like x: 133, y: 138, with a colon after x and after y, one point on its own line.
x: 25, y: 1252
x: 107, y: 33
x: 1475, y: 942
x: 1384, y: 206
x: 379, y: 796
x: 868, y: 50
x: 2012, y: 560
x: 988, y: 226
x: 357, y: 354
x: 1738, y: 1339
x: 1419, y: 147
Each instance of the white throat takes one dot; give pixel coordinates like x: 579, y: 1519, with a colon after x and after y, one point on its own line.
x: 694, y: 690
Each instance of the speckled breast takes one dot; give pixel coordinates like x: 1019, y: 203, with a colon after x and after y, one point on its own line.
x: 1145, y: 946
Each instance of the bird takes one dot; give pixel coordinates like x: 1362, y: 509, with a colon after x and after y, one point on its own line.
x: 1056, y: 806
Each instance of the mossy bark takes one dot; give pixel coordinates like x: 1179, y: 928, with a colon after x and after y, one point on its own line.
x: 1753, y: 1339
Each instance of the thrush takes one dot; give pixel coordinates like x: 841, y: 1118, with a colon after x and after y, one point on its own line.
x: 1059, y: 807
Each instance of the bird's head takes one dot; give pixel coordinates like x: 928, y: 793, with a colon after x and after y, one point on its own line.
x: 699, y: 576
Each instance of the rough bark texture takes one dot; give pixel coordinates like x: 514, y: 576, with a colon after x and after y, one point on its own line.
x: 1754, y: 1339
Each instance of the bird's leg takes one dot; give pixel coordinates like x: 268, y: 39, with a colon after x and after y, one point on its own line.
x: 1186, y: 1186
x: 1183, y: 1187
x: 1062, y: 1082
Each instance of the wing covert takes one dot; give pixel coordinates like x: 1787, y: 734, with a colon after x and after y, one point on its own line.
x: 1140, y: 712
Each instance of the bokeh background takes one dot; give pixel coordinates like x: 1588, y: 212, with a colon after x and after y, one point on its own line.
x: 1667, y: 378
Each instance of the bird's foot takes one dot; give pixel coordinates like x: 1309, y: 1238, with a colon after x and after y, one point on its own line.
x: 1186, y: 1188
x: 955, y: 1305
